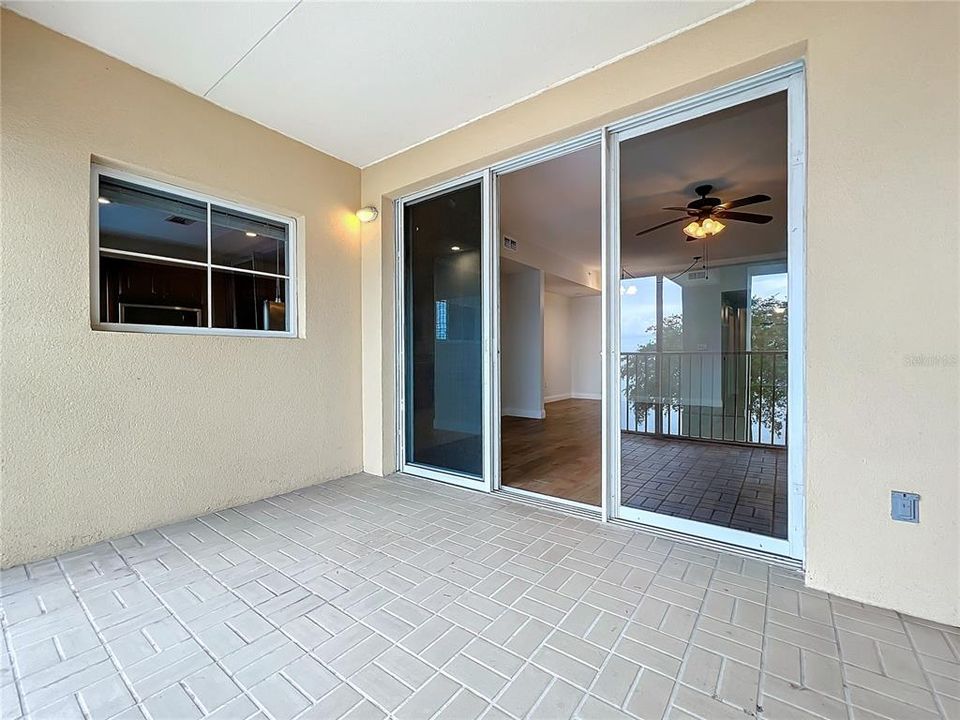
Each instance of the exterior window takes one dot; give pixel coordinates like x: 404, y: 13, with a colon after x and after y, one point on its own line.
x: 169, y: 260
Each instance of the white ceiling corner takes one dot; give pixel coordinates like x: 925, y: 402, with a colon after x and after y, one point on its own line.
x: 363, y: 81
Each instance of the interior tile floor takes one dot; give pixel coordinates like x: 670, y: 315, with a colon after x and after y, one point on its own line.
x: 739, y: 487
x: 368, y: 598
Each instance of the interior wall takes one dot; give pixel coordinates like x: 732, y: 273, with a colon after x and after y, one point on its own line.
x: 522, y: 343
x: 586, y: 321
x: 557, y: 350
x: 882, y: 114
x: 109, y: 433
x: 541, y: 256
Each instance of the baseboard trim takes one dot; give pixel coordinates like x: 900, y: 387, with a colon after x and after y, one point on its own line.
x: 524, y: 413
x: 586, y: 396
x: 557, y: 398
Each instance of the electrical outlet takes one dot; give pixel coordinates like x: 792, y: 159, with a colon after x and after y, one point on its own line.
x: 905, y: 506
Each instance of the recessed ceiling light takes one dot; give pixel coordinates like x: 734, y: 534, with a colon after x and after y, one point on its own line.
x: 455, y: 248
x: 103, y: 201
x: 250, y: 234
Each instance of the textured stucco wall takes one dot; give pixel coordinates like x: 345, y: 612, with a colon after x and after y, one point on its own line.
x: 108, y: 433
x: 883, y: 310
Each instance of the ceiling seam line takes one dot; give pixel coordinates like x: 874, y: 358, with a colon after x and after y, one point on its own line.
x: 253, y: 47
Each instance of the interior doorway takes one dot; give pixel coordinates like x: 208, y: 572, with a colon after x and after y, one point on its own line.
x: 550, y: 316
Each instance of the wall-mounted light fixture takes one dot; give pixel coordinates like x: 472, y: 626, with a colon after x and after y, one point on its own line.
x: 367, y: 214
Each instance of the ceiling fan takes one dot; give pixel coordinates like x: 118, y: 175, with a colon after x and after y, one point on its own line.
x: 708, y: 212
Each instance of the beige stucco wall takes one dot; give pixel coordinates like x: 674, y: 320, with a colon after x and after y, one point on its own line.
x: 883, y: 310
x: 108, y: 433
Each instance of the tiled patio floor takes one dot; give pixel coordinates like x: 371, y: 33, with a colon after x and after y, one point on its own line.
x: 731, y: 485
x: 367, y: 597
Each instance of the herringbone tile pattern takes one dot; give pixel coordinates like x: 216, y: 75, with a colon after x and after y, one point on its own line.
x: 371, y: 598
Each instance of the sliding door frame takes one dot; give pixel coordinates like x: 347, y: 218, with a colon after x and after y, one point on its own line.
x: 481, y: 178
x: 790, y: 78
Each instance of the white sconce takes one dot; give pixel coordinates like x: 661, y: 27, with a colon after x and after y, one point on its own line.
x: 367, y: 214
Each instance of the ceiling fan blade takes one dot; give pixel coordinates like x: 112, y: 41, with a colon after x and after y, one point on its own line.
x: 657, y: 227
x: 744, y: 217
x: 749, y: 200
x: 678, y: 209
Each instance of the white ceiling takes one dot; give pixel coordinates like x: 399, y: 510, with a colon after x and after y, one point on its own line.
x: 740, y: 151
x: 365, y: 80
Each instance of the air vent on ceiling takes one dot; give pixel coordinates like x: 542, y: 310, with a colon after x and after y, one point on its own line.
x: 509, y: 244
x: 697, y: 275
x: 180, y: 220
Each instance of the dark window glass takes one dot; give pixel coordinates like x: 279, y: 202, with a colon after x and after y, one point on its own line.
x: 245, y: 301
x: 148, y: 292
x: 243, y: 241
x: 444, y: 385
x: 161, y: 263
x: 143, y: 220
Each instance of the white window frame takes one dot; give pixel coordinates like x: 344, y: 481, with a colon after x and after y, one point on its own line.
x: 290, y: 278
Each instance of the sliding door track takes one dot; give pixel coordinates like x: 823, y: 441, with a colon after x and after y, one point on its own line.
x: 546, y: 502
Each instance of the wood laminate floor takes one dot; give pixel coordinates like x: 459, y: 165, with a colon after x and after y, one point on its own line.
x: 558, y: 456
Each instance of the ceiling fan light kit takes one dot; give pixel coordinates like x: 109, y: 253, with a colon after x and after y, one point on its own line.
x: 707, y: 212
x: 698, y: 231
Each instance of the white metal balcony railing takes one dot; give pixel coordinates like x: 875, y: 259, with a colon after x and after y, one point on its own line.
x: 734, y: 397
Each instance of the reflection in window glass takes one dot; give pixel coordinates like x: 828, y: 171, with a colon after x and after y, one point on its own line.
x: 242, y: 241
x: 442, y: 327
x: 244, y: 301
x: 162, y: 264
x: 153, y: 222
x: 704, y: 357
x: 441, y: 319
x: 150, y: 292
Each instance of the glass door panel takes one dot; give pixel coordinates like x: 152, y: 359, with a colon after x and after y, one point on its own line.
x: 443, y: 332
x: 703, y: 325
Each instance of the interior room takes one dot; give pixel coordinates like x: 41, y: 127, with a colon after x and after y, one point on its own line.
x: 550, y: 319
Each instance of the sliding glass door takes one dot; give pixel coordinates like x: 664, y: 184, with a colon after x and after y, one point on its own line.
x: 702, y: 255
x: 443, y: 334
x: 704, y: 223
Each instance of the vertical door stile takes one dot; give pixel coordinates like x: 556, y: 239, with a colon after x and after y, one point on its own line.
x: 610, y: 359
x: 491, y: 322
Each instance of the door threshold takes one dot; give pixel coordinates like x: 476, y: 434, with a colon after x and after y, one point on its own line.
x: 707, y: 544
x: 551, y: 503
